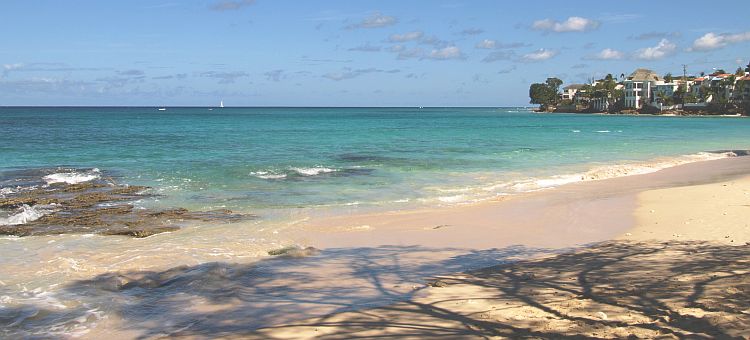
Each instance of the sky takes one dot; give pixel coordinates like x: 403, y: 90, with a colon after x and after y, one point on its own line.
x: 346, y: 52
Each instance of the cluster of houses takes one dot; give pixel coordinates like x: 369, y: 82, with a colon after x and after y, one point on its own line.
x: 645, y: 87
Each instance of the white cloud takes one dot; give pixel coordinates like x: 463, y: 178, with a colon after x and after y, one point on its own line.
x: 609, y: 54
x: 472, y: 31
x: 376, y: 20
x: 366, y: 48
x: 348, y: 73
x: 661, y: 50
x: 446, y: 53
x: 712, y: 41
x: 487, y: 44
x: 410, y: 53
x: 10, y: 67
x: 231, y: 5
x: 539, y: 55
x: 225, y: 77
x: 408, y: 36
x: 499, y: 55
x: 572, y: 24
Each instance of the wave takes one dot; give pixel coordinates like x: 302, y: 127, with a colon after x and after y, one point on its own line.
x: 492, y: 190
x: 27, y: 214
x: 267, y: 175
x: 297, y: 173
x: 314, y: 171
x: 8, y: 191
x: 73, y: 177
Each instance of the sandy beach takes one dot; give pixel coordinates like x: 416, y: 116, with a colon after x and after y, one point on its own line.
x: 680, y: 270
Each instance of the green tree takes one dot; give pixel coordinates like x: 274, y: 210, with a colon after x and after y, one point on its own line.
x: 542, y: 94
x: 679, y: 95
x: 554, y: 84
x: 668, y: 77
x: 739, y: 72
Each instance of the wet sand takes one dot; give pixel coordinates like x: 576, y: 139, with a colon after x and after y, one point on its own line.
x: 682, y: 270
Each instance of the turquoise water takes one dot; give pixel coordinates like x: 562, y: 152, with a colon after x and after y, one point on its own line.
x: 278, y: 158
x: 288, y: 165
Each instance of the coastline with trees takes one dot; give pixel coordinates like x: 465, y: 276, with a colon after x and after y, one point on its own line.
x: 645, y: 92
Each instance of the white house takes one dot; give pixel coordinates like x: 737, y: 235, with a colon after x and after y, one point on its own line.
x: 603, y: 104
x: 662, y: 89
x: 569, y: 92
x: 639, y: 85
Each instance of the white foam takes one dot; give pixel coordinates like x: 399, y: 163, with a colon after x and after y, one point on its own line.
x: 453, y: 199
x: 72, y: 177
x: 267, y: 175
x: 506, y: 187
x: 314, y: 171
x: 603, y: 131
x: 27, y: 214
x: 617, y: 170
x: 7, y: 191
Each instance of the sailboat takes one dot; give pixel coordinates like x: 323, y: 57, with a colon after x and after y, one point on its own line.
x: 221, y: 104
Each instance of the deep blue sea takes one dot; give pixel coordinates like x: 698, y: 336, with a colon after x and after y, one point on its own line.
x: 277, y: 158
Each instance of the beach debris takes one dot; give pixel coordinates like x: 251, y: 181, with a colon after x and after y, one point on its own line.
x: 438, y: 283
x: 441, y: 226
x: 294, y: 251
x: 99, y: 206
x: 527, y: 276
x: 601, y: 315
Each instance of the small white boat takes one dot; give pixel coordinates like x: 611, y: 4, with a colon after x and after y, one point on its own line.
x: 162, y: 109
x: 221, y: 104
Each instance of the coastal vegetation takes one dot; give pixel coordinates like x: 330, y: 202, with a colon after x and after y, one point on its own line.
x: 645, y: 92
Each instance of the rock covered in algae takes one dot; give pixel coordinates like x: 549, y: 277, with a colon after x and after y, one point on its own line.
x: 100, y: 206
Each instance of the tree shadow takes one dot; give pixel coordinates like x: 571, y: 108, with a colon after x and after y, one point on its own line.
x: 609, y: 290
x: 612, y: 290
x: 229, y: 298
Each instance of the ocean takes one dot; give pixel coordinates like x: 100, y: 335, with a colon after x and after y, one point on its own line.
x: 252, y: 159
x: 284, y: 165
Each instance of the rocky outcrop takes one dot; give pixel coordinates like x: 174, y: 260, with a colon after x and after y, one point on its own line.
x: 97, y: 207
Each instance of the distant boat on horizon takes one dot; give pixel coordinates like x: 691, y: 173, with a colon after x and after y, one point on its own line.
x: 221, y: 104
x: 162, y: 109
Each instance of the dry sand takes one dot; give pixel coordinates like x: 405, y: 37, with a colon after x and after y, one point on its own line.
x: 683, y: 271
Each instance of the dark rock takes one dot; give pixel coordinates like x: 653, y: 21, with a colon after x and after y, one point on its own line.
x: 100, y: 207
x: 294, y: 251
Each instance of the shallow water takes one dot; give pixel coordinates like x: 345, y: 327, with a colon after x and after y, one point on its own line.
x: 288, y: 165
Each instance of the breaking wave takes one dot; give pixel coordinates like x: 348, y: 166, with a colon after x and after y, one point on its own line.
x: 27, y: 214
x: 73, y: 177
x: 508, y: 187
x: 297, y: 173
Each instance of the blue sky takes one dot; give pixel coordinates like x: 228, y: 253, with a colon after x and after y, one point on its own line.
x: 347, y: 53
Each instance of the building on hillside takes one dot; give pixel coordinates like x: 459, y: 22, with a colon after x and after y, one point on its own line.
x: 742, y: 88
x: 639, y: 87
x: 699, y: 87
x: 569, y: 92
x: 603, y: 104
x: 722, y: 84
x: 662, y: 91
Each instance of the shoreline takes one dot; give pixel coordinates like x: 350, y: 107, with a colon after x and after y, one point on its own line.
x: 679, y: 271
x: 357, y: 270
x: 515, y: 219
